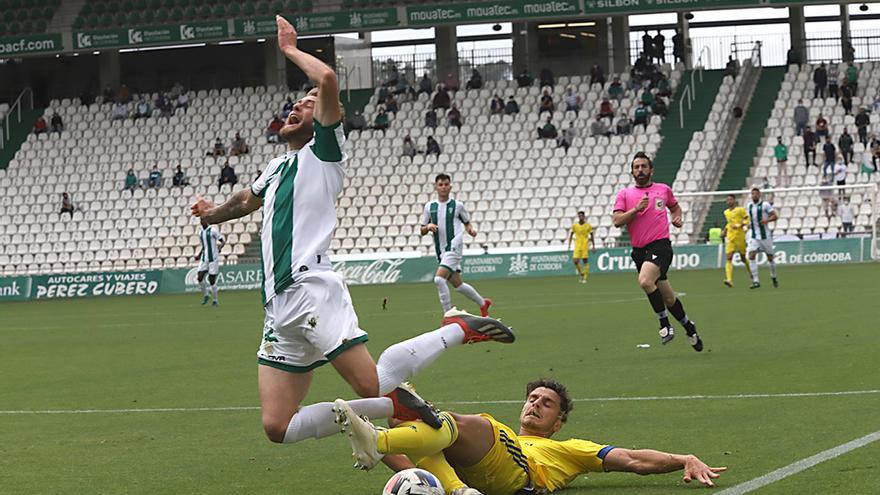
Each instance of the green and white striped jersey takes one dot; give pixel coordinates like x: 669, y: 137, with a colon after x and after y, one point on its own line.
x: 757, y: 212
x: 450, y: 217
x: 299, y: 191
x: 208, y: 238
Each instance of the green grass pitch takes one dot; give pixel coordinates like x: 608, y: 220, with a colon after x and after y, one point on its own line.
x: 817, y: 333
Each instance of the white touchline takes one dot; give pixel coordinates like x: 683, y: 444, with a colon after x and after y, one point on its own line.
x: 462, y: 402
x: 801, y: 465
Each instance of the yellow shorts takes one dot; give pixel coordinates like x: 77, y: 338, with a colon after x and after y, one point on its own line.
x: 503, y: 470
x: 735, y: 245
x: 580, y: 253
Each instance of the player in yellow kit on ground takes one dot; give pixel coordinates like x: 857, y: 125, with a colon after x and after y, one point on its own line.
x: 582, y: 232
x: 735, y: 236
x: 478, y: 455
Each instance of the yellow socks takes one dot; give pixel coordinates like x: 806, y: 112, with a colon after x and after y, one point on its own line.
x: 437, y: 465
x: 728, y: 270
x: 748, y: 268
x: 586, y: 270
x: 416, y: 439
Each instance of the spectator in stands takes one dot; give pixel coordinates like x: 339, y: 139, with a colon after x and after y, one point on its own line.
x: 648, y: 46
x: 847, y: 217
x: 66, y: 205
x: 833, y: 72
x: 288, y: 106
x: 167, y: 108
x: 179, y: 178
x: 432, y: 147
x: 647, y: 98
x: 821, y: 126
x: 624, y: 125
x: 664, y: 88
x: 404, y: 88
x: 238, y: 146
x: 391, y: 105
x: 381, y: 122
x: 875, y: 107
x: 476, y: 80
x: 846, y: 102
x: 567, y: 138
x: 599, y: 128
x: 606, y: 110
x: 176, y: 90
x: 845, y: 143
x: 801, y: 118
x: 732, y: 67
x: 142, y: 109
x: 511, y: 107
x: 56, y: 123
x: 830, y: 152
x: 820, y: 81
x: 453, y: 117
x: 120, y: 111
x: 161, y: 100
x: 496, y: 107
x: 849, y: 52
x: 840, y: 174
x: 357, y: 122
x: 382, y: 94
x: 425, y: 85
x: 524, y: 79
x: 597, y: 76
x: 441, y: 98
x: 659, y: 107
x: 811, y: 140
x: 660, y: 47
x: 642, y: 115
x: 107, y: 94
x: 793, y: 56
x: 409, y: 148
x: 452, y: 82
x: 616, y: 89
x: 40, y: 126
x: 431, y: 118
x: 182, y: 101
x: 862, y: 122
x: 678, y: 46
x: 781, y: 153
x: 219, y: 149
x: 546, y: 77
x: 393, y: 76
x: 572, y: 101
x: 548, y: 130
x: 273, y: 129
x: 123, y: 95
x: 227, y: 175
x: 155, y: 178
x: 829, y: 202
x: 546, y: 104
x: 875, y: 151
x: 131, y: 181
x: 852, y: 78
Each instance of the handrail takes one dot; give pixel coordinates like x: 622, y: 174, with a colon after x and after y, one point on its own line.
x: 685, y: 95
x: 16, y: 106
x: 700, y: 62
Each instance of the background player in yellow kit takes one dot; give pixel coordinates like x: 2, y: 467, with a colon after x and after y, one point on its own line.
x: 478, y: 455
x: 582, y: 232
x: 735, y: 234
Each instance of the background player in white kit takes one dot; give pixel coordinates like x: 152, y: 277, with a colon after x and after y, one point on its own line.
x: 761, y: 214
x: 448, y: 220
x: 309, y: 316
x: 211, y: 242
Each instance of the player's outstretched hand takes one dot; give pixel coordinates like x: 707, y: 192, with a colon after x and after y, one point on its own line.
x: 695, y: 469
x: 286, y: 34
x: 201, y: 207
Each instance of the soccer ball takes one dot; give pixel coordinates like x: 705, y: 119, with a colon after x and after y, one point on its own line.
x: 413, y: 482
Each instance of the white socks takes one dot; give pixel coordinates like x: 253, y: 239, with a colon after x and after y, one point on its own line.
x: 772, y: 268
x: 470, y: 293
x: 214, y: 291
x: 318, y: 420
x: 403, y: 360
x: 753, y: 266
x: 204, y: 286
x: 443, y: 291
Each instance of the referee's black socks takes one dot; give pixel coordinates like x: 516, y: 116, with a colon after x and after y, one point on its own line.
x: 677, y: 311
x: 656, y: 300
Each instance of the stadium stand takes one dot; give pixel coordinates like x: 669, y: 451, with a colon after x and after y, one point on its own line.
x: 22, y: 17
x: 523, y: 191
x: 111, y: 13
x: 807, y: 216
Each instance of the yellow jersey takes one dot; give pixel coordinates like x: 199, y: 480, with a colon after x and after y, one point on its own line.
x: 554, y: 464
x: 581, y: 235
x: 737, y: 221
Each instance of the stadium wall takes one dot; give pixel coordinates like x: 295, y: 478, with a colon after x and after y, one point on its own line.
x: 412, y: 270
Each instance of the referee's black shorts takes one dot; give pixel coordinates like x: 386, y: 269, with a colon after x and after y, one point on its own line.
x: 658, y: 252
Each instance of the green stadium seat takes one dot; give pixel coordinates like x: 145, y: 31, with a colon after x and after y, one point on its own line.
x: 9, y: 16
x: 234, y: 10
x: 347, y: 4
x: 161, y: 15
x: 306, y: 6
x: 78, y: 23
x: 48, y: 12
x: 14, y: 4
x: 22, y: 15
x: 106, y: 20
x: 219, y: 12
x: 14, y: 27
x: 40, y: 26
x: 35, y: 13
x: 183, y: 4
x: 99, y: 8
x: 190, y: 13
x: 27, y: 27
x: 133, y: 19
x: 4, y: 5
x: 248, y: 9
x: 176, y: 15
x: 86, y: 10
x: 2, y: 29
x: 148, y: 16
x: 140, y: 5
x: 112, y: 7
x: 263, y: 8
x: 92, y: 21
x: 38, y: 3
x: 277, y: 7
x: 169, y: 4
x: 204, y: 12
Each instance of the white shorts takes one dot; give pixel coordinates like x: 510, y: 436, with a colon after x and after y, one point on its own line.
x: 212, y: 267
x: 763, y: 245
x: 309, y: 324
x: 451, y: 260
